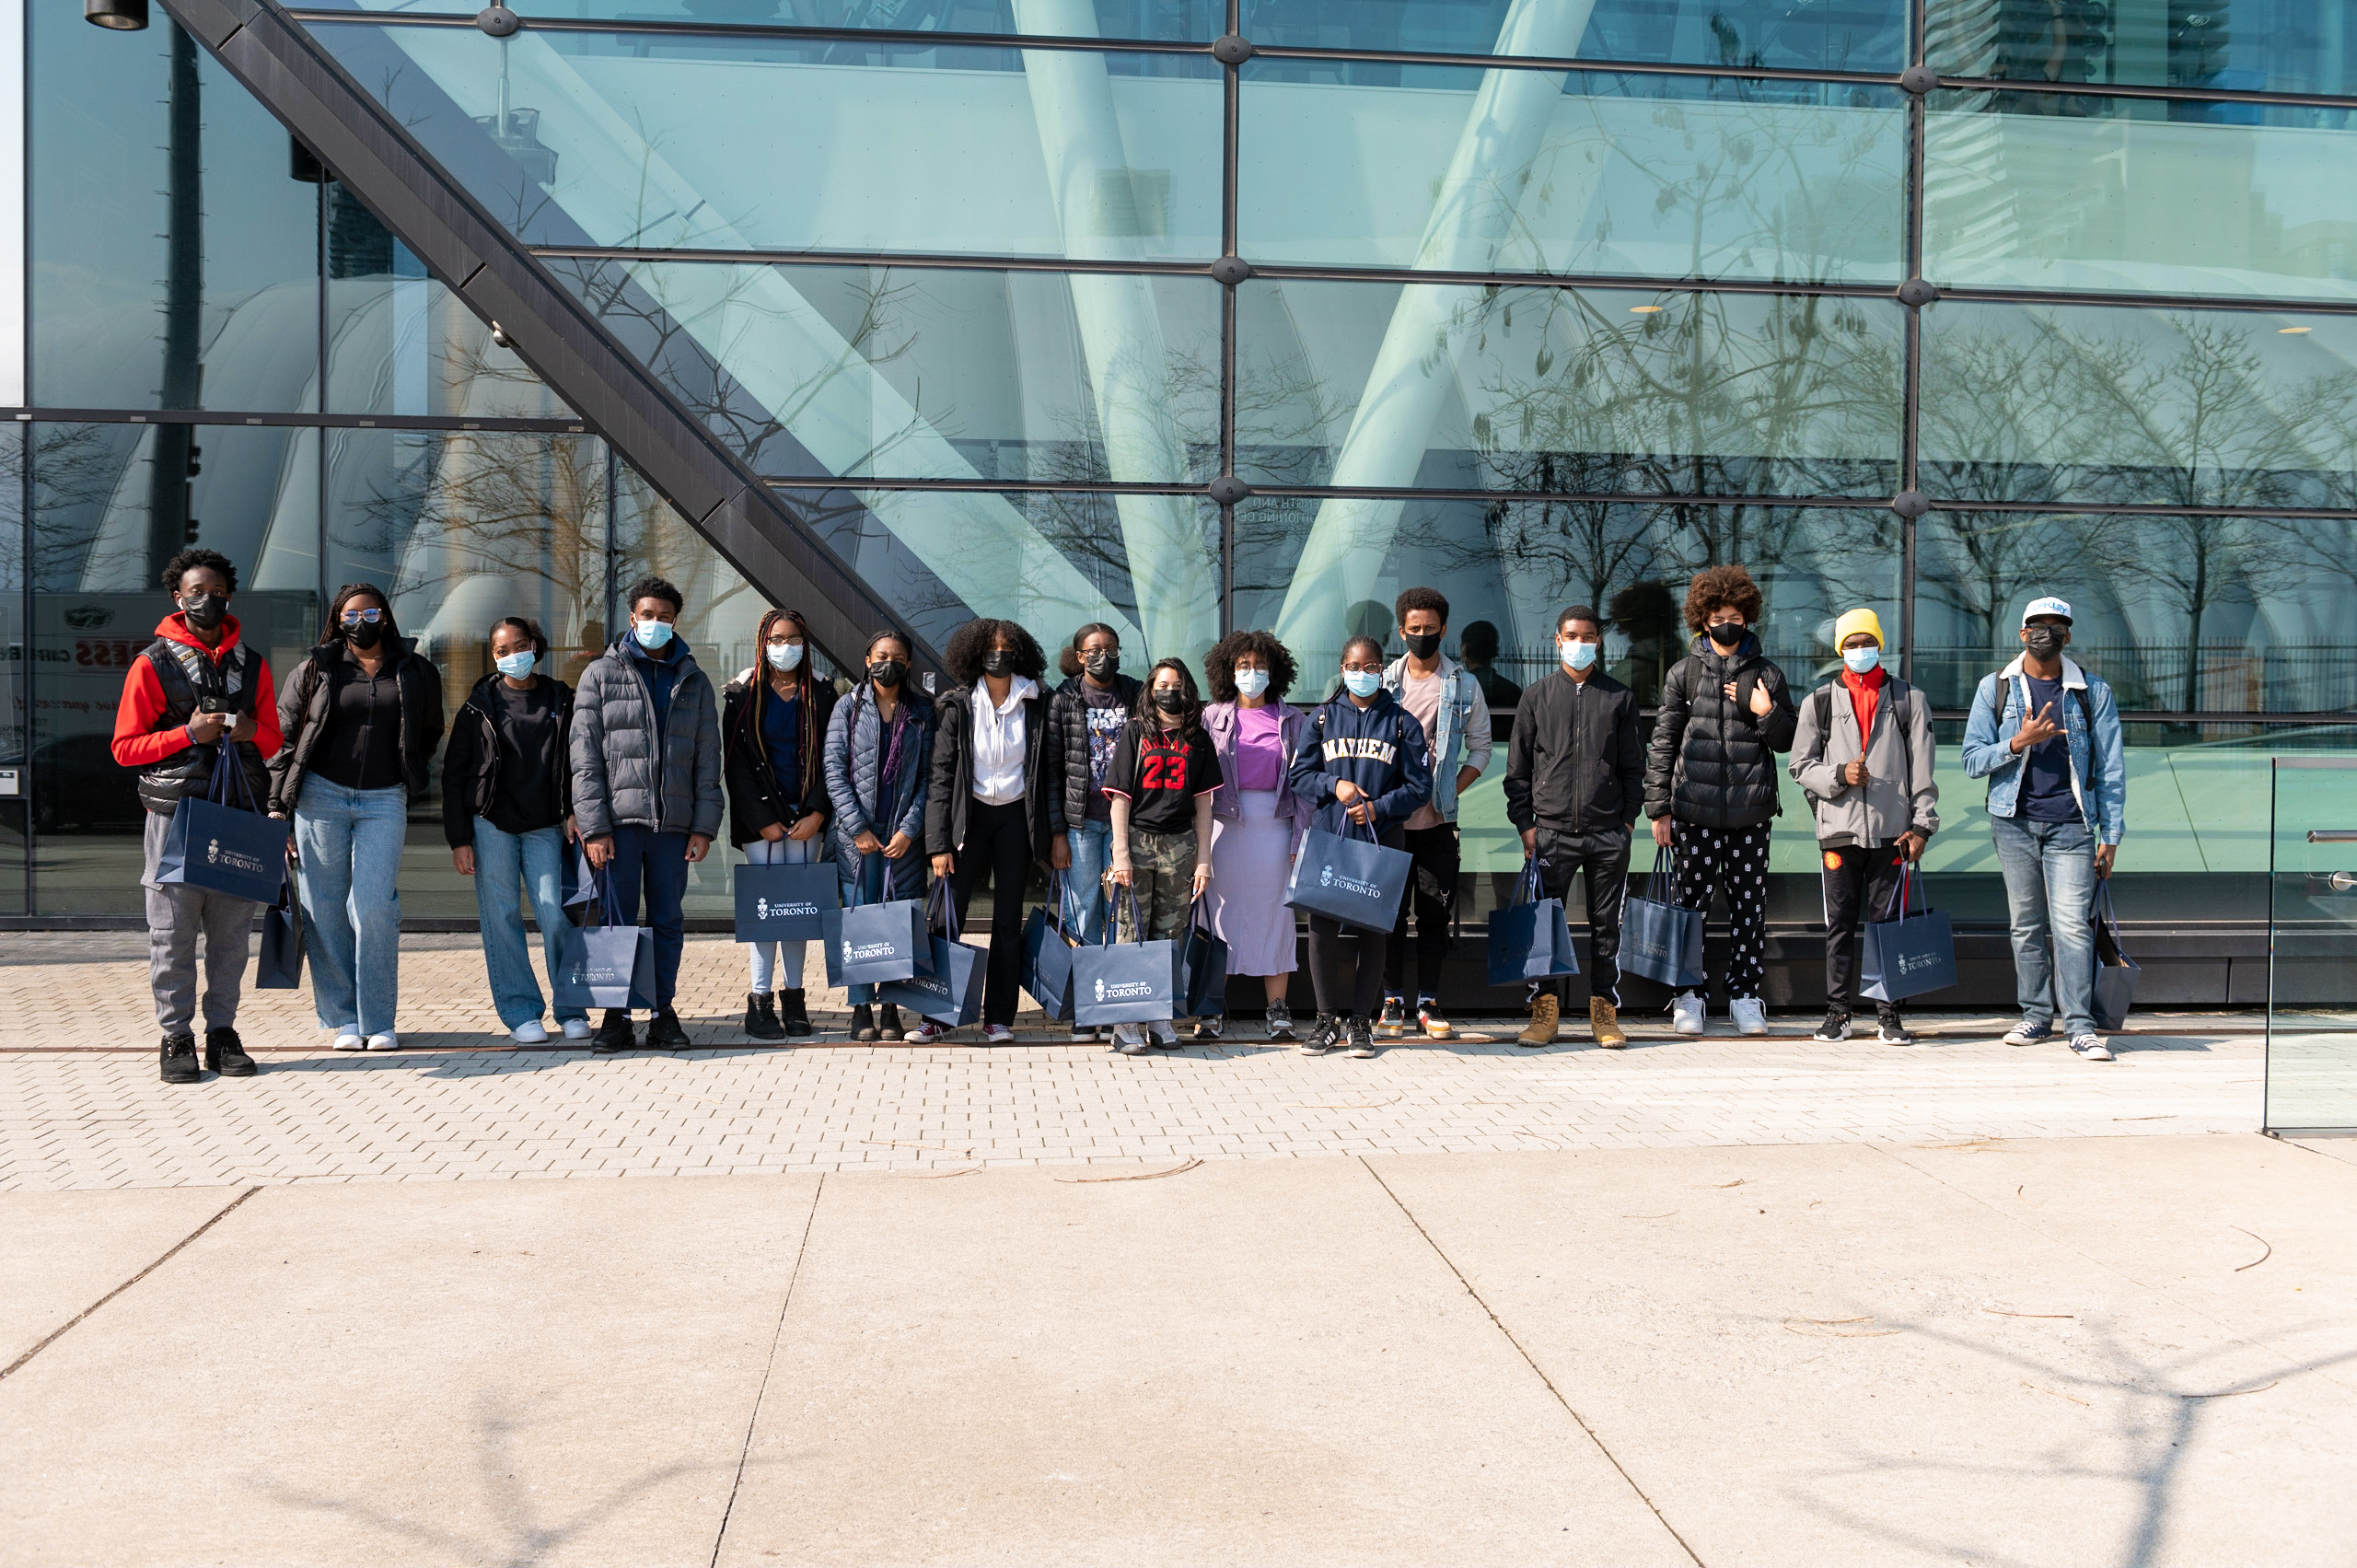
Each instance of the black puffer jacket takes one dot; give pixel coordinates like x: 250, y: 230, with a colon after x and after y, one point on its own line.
x: 1713, y: 761
x: 756, y: 797
x: 1068, y: 721
x: 949, y: 782
x: 306, y: 700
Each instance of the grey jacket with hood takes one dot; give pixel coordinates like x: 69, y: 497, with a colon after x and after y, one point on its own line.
x: 1900, y: 791
x: 625, y: 775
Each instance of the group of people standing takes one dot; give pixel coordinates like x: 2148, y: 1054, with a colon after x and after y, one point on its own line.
x: 1151, y: 802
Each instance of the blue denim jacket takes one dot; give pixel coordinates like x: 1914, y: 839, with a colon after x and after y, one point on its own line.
x: 1463, y: 726
x: 1996, y: 718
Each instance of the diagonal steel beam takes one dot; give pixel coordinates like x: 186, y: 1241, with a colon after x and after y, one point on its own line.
x: 719, y: 494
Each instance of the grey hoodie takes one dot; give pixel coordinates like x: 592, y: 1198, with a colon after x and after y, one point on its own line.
x: 1900, y: 792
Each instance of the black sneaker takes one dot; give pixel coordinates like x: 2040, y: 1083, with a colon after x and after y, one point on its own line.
x: 760, y: 1016
x: 665, y: 1032
x: 614, y: 1034
x: 1890, y: 1029
x: 862, y: 1022
x: 1836, y: 1024
x: 1362, y: 1038
x: 1322, y: 1036
x: 794, y: 1014
x: 179, y: 1060
x: 224, y: 1054
x: 1280, y: 1021
x: 1394, y: 1022
x: 887, y: 1023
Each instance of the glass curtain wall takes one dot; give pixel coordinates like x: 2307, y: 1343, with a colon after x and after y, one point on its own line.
x: 1541, y: 301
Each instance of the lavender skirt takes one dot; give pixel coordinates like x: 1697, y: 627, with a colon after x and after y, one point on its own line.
x: 1250, y: 859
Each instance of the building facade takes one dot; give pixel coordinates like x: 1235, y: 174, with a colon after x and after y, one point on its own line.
x: 1186, y: 316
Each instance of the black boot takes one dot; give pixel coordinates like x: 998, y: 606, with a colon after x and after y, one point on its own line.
x: 862, y: 1022
x: 794, y: 1014
x: 888, y: 1027
x: 614, y: 1034
x: 667, y: 1033
x: 760, y: 1016
x: 224, y: 1054
x: 180, y: 1059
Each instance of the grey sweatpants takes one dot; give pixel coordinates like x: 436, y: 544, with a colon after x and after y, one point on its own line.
x: 176, y: 913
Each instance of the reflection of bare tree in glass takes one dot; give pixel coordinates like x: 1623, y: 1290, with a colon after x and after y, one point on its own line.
x: 77, y: 469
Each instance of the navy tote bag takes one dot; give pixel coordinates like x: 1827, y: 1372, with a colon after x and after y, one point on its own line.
x: 1529, y: 939
x: 1047, y: 948
x: 2116, y: 973
x: 1910, y: 955
x: 950, y: 992
x: 1125, y: 982
x: 1356, y: 880
x: 875, y: 944
x: 225, y: 847
x: 1658, y: 939
x: 1202, y: 968
x: 786, y: 903
x: 605, y: 965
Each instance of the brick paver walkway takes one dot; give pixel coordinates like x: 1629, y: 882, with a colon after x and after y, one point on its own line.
x: 80, y: 1105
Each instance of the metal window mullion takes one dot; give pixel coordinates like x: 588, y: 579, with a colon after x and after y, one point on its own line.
x: 25, y: 450
x: 1912, y: 350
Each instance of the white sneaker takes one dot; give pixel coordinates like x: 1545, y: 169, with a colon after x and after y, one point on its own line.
x: 386, y: 1041
x: 2091, y: 1048
x: 531, y: 1031
x: 576, y: 1028
x: 348, y: 1037
x: 1686, y: 1014
x: 1750, y: 1015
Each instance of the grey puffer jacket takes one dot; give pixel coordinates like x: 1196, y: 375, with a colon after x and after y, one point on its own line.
x: 616, y: 779
x: 853, y: 758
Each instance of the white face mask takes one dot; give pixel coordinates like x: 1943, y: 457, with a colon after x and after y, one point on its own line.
x: 516, y: 665
x: 652, y: 633
x: 1251, y: 682
x: 1363, y: 682
x: 1578, y: 656
x: 1861, y: 660
x: 785, y: 656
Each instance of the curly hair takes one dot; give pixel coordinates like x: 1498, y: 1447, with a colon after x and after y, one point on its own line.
x: 1716, y: 585
x: 1189, y: 719
x: 188, y: 560
x: 1420, y: 598
x: 1219, y: 664
x: 1068, y: 662
x: 970, y: 642
x: 653, y: 588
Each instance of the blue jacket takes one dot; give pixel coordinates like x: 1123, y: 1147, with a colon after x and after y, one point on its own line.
x: 1380, y: 747
x: 852, y: 761
x: 1996, y: 717
x: 1463, y: 727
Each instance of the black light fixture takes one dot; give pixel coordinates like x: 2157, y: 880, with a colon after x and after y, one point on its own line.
x: 123, y: 16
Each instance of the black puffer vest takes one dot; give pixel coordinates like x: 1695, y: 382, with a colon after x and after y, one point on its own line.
x: 188, y: 677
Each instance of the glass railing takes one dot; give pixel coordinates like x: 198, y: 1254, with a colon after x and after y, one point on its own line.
x: 2312, y: 946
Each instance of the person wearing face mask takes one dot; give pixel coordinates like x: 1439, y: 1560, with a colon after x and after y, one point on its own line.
x: 995, y: 797
x: 1862, y: 754
x: 1257, y: 820
x: 506, y: 789
x: 1575, y: 776
x: 646, y: 788
x: 880, y: 750
x: 2045, y: 732
x: 1163, y: 777
x: 1449, y: 704
x: 1710, y: 780
x: 197, y: 687
x: 362, y: 716
x: 771, y: 719
x: 1365, y: 768
x: 1085, y: 716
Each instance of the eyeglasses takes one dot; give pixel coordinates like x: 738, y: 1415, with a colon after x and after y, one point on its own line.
x: 362, y: 617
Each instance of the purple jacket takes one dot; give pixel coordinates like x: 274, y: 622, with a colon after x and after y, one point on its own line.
x: 1219, y: 722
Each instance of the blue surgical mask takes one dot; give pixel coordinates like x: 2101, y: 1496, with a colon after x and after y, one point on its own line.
x: 785, y: 656
x: 516, y: 665
x: 652, y: 633
x: 1363, y: 682
x: 1579, y: 656
x: 1251, y: 682
x: 1861, y: 660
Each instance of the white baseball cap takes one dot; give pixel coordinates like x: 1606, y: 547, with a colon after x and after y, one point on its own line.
x: 2049, y: 606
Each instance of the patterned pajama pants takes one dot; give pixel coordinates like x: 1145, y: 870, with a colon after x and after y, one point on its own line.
x: 1735, y: 862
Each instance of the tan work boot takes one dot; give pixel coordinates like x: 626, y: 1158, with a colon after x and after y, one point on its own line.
x: 1604, y: 1022
x: 1545, y: 1013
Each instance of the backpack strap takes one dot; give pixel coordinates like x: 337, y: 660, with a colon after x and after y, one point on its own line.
x: 2087, y: 711
x: 1824, y: 702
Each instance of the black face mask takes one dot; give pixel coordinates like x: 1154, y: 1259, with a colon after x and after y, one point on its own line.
x: 1729, y: 635
x: 204, y: 611
x: 998, y: 661
x: 2043, y: 641
x: 1170, y: 702
x: 1101, y: 666
x: 364, y: 636
x: 1423, y: 645
x: 887, y: 672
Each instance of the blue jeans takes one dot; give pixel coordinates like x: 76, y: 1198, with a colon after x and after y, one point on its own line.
x: 2051, y: 890
x: 349, y: 844
x: 657, y: 862
x: 1092, y: 856
x: 769, y: 956
x: 532, y: 863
